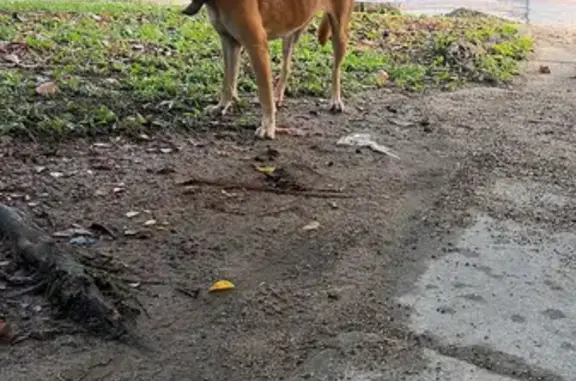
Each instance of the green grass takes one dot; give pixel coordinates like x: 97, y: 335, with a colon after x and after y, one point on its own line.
x: 125, y: 67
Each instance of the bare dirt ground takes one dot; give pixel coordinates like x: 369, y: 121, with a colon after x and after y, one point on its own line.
x: 308, y: 304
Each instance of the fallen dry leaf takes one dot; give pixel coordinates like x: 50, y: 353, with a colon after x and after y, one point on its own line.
x: 4, y: 329
x: 47, y: 88
x: 150, y: 223
x: 12, y: 58
x: 265, y: 170
x: 311, y: 226
x: 132, y: 214
x: 221, y: 285
x: 382, y: 77
x: 72, y: 232
x: 100, y: 192
x: 545, y: 69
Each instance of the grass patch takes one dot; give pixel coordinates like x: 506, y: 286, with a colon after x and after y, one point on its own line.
x: 121, y: 66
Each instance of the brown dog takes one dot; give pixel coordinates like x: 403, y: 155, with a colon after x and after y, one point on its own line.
x: 252, y: 23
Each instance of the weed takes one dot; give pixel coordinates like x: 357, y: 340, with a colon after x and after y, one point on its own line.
x: 121, y: 66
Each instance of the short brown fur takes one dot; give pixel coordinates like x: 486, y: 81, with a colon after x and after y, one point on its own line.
x: 252, y: 23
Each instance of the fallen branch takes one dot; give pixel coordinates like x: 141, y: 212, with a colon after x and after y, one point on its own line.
x: 68, y: 285
x: 312, y: 193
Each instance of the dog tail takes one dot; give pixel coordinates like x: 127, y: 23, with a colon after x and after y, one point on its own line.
x: 324, y: 30
x: 194, y: 7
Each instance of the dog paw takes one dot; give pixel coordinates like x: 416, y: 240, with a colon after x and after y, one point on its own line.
x: 219, y: 109
x: 278, y: 98
x: 278, y: 103
x: 336, y: 106
x: 263, y: 133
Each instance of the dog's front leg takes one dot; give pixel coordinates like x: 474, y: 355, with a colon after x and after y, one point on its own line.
x: 339, y: 42
x: 257, y: 49
x: 231, y: 51
x: 288, y: 44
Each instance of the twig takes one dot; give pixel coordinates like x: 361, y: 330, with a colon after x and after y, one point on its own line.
x: 17, y: 280
x: 28, y: 290
x: 312, y: 193
x: 136, y: 281
x: 279, y: 210
x: 192, y: 294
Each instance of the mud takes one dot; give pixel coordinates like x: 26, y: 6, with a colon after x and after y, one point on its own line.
x: 379, y: 291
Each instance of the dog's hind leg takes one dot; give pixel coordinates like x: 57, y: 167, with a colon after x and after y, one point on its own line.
x: 288, y: 44
x: 231, y: 51
x: 339, y: 20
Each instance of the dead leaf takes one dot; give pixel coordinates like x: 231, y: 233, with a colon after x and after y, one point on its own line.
x: 132, y: 214
x: 311, y: 226
x: 221, y: 285
x: 102, y: 230
x: 382, y: 77
x: 12, y: 58
x: 47, y: 88
x: 545, y: 69
x: 100, y: 192
x: 56, y: 175
x: 228, y: 194
x: 150, y: 223
x: 72, y: 232
x: 4, y: 328
x: 102, y: 145
x: 265, y: 170
x: 17, y: 17
x: 138, y: 234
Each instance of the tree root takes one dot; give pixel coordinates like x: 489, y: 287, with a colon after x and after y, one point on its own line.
x: 67, y: 284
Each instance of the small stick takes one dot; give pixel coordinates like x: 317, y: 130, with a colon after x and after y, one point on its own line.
x: 312, y: 193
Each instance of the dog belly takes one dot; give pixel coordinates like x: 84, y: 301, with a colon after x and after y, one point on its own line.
x: 279, y: 18
x: 275, y: 33
x: 283, y: 17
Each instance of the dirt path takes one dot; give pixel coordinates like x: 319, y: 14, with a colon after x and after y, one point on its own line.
x: 376, y: 291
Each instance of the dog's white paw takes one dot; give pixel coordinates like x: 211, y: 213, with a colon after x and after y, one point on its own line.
x: 278, y: 97
x: 336, y: 106
x: 264, y: 133
x: 219, y: 109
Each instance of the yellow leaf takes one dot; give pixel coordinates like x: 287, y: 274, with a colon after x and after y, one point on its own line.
x: 266, y: 170
x: 221, y: 285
